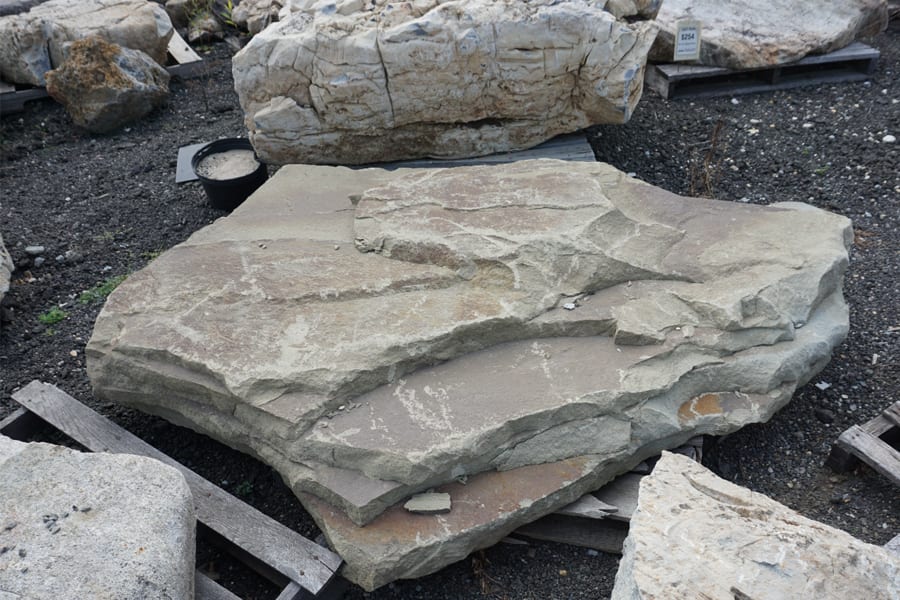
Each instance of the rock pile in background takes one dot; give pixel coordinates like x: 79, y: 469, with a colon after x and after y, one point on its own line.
x: 697, y: 536
x: 351, y: 82
x: 34, y: 42
x: 536, y: 327
x: 104, y: 86
x: 102, y: 526
x: 746, y: 35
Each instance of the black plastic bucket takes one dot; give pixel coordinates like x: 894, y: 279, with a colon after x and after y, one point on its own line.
x: 227, y: 194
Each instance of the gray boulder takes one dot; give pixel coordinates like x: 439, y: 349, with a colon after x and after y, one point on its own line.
x: 697, y: 536
x: 34, y: 42
x: 99, y: 526
x: 743, y: 35
x: 353, y: 82
x: 104, y: 86
x: 446, y: 323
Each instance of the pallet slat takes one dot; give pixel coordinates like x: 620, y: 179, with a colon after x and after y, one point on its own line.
x: 855, y: 62
x: 292, y: 555
x: 873, y: 451
x: 207, y: 589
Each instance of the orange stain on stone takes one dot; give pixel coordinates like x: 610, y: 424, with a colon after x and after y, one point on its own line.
x: 706, y: 404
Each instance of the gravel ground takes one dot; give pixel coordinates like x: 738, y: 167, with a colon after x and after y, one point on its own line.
x: 102, y: 207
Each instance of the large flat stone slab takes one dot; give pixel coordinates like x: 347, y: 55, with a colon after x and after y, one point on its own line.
x: 695, y: 535
x: 748, y: 35
x: 672, y: 294
x: 353, y: 82
x: 373, y: 334
x: 102, y: 526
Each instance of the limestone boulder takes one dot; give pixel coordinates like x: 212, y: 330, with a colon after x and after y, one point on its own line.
x: 104, y: 86
x: 99, y: 526
x: 695, y: 535
x: 6, y: 268
x: 747, y: 35
x: 34, y: 42
x: 353, y: 82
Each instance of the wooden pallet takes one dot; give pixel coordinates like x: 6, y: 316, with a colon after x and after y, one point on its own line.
x: 856, y: 62
x: 875, y: 443
x: 186, y: 64
x: 301, y: 568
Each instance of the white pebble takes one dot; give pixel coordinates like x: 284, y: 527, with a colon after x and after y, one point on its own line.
x: 888, y: 139
x: 807, y: 126
x: 735, y: 101
x: 569, y: 306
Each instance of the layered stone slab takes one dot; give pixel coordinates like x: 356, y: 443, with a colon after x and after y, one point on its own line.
x: 354, y: 82
x: 76, y: 525
x: 748, y: 35
x: 372, y: 334
x: 695, y: 535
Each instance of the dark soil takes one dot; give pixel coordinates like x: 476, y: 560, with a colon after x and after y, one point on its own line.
x: 103, y: 206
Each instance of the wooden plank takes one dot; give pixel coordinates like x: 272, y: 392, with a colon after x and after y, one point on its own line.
x: 892, y: 414
x: 840, y: 460
x: 621, y: 492
x: 181, y: 51
x: 604, y: 535
x: 14, y: 102
x: 289, y: 553
x: 20, y: 424
x: 873, y: 451
x: 207, y: 589
x: 856, y: 62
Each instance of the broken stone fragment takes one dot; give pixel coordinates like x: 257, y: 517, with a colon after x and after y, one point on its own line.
x: 747, y: 35
x: 104, y: 86
x: 695, y: 535
x: 432, y: 503
x: 379, y: 81
x: 34, y: 42
x: 6, y: 268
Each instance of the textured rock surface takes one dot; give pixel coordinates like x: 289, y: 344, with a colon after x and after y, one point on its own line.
x: 697, y: 536
x: 743, y: 35
x: 101, y: 526
x: 270, y: 331
x: 255, y: 15
x: 6, y: 268
x: 353, y: 82
x: 104, y: 86
x: 35, y: 42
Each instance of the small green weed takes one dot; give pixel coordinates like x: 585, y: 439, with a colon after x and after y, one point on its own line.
x: 822, y: 170
x: 244, y: 488
x: 52, y: 316
x: 101, y: 290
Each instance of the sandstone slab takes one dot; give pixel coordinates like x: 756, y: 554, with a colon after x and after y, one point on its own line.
x: 354, y: 82
x: 34, y: 42
x: 710, y: 313
x: 372, y: 334
x: 104, y: 86
x: 697, y: 536
x: 78, y: 525
x: 747, y: 35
